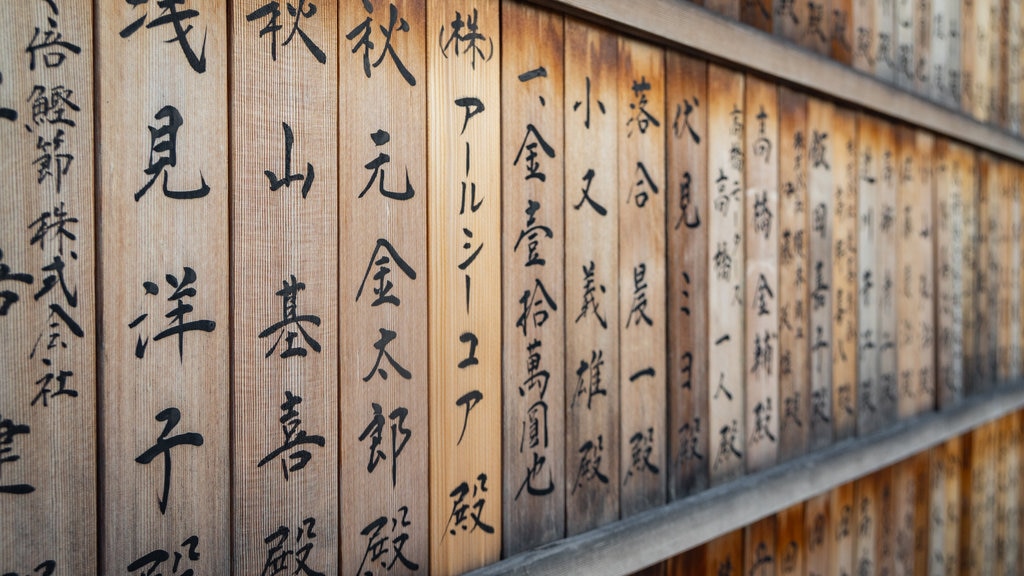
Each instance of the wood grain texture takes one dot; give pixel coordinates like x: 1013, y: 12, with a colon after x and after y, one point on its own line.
x: 866, y: 524
x: 949, y: 214
x: 869, y: 293
x: 382, y: 291
x: 164, y: 269
x: 726, y: 373
x: 794, y: 307
x: 759, y: 548
x: 689, y: 563
x: 844, y: 274
x: 284, y: 229
x: 923, y: 66
x: 821, y: 176
x: 642, y: 319
x: 905, y: 43
x: 864, y: 16
x: 842, y: 538
x: 818, y: 530
x: 954, y: 66
x: 533, y: 283
x: 48, y: 399
x: 886, y: 53
x: 761, y: 330
x: 789, y: 20
x: 843, y: 32
x: 464, y: 284
x: 790, y: 541
x: 724, y: 555
x: 591, y: 278
x: 941, y: 17
x: 1010, y: 73
x: 727, y: 8
x: 904, y: 492
x: 687, y: 212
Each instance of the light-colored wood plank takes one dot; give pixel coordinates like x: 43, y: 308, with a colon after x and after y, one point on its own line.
x: 905, y: 47
x: 464, y: 283
x: 687, y: 268
x: 924, y: 268
x: 383, y: 204
x: 685, y: 24
x: 842, y: 538
x: 727, y: 8
x: 954, y: 70
x: 844, y: 274
x: 726, y: 373
x: 762, y: 273
x: 1006, y: 461
x: 1007, y: 252
x: 870, y: 288
x: 1014, y: 281
x: 818, y: 532
x: 996, y: 36
x: 164, y: 268
x: 1013, y: 43
x: 904, y: 491
x: 949, y: 215
x: 864, y: 14
x: 533, y: 279
x: 660, y: 533
x: 759, y: 548
x: 821, y: 175
x: 944, y: 534
x: 790, y: 542
x: 789, y: 19
x: 888, y: 398
x: 724, y: 555
x: 794, y: 307
x: 47, y: 236
x: 642, y: 319
x: 284, y: 289
x: 923, y: 49
x: 969, y: 47
x: 941, y: 19
x: 866, y: 513
x: 971, y: 276
x: 887, y: 67
x: 591, y: 278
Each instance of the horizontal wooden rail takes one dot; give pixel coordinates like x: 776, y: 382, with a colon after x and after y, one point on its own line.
x: 686, y: 25
x: 650, y: 537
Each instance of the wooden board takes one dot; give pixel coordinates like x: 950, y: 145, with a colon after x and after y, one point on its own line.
x: 996, y: 37
x: 977, y: 537
x: 790, y: 541
x: 924, y: 269
x: 888, y: 398
x: 533, y: 283
x: 969, y: 48
x: 724, y: 555
x: 818, y: 532
x: 866, y: 523
x: 954, y: 70
x: 284, y: 288
x: 642, y: 319
x: 945, y: 496
x: 464, y: 284
x: 383, y: 206
x: 166, y: 320
x: 844, y: 274
x: 885, y: 539
x: 726, y: 372
x: 864, y: 14
x: 821, y: 175
x: 728, y: 8
x: 1014, y: 282
x: 794, y: 307
x: 886, y: 67
x: 47, y: 234
x: 869, y: 290
x: 761, y: 338
x: 842, y: 538
x: 1013, y: 43
x: 789, y: 19
x: 971, y: 276
x: 942, y: 26
x: 949, y: 215
x: 904, y: 491
x: 905, y: 49
x: 689, y: 563
x: 1007, y: 463
x: 687, y: 269
x: 816, y: 33
x: 759, y: 548
x: 591, y: 278
x: 842, y: 31
x: 757, y: 13
x: 986, y: 285
x: 923, y: 50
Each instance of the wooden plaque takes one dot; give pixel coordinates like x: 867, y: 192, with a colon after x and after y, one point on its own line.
x: 790, y: 541
x: 724, y: 555
x: 842, y: 537
x: 818, y: 532
x: 762, y: 273
x: 885, y: 60
x: 822, y: 172
x: 726, y: 372
x: 971, y: 274
x: 759, y: 548
x: 887, y: 272
x: 687, y: 270
x: 905, y: 46
x: 870, y: 283
x: 165, y: 379
x: 47, y: 237
x: 383, y: 205
x: 794, y: 306
x: 591, y: 278
x: 948, y: 212
x: 464, y: 283
x: 844, y: 274
x: 865, y: 15
x: 642, y: 319
x: 843, y: 33
x: 866, y: 524
x: 533, y: 279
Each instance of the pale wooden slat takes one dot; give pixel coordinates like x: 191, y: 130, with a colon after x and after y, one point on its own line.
x: 954, y: 73
x: 821, y: 175
x: 687, y: 254
x: 842, y: 534
x: 724, y: 555
x: 159, y: 239
x: 949, y: 216
x: 971, y: 252
x: 759, y: 548
x: 726, y: 372
x: 276, y: 486
x: 1005, y: 240
x: 940, y: 42
x: 642, y: 319
x: 886, y: 52
x: 464, y: 284
x: 923, y: 51
x: 533, y: 286
x: 789, y: 20
x: 591, y: 247
x: 864, y: 15
x: 844, y: 215
x: 1013, y: 280
x: 383, y: 421
x: 924, y: 144
x: 794, y: 306
x: 761, y: 226
x: 816, y: 34
x: 969, y: 47
x: 996, y: 34
x: 818, y: 531
x: 48, y: 398
x: 870, y: 163
x: 1013, y: 43
x: 907, y: 286
x: 888, y: 398
x: 685, y: 24
x: 1007, y: 462
x: 905, y: 48
x: 790, y: 543
x: 662, y: 532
